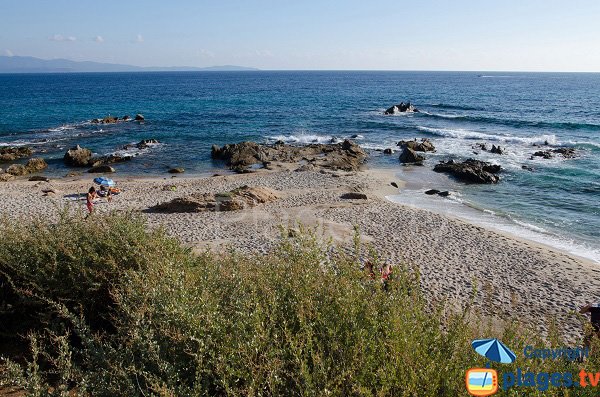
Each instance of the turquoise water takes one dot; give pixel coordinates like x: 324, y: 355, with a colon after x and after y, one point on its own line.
x: 188, y: 112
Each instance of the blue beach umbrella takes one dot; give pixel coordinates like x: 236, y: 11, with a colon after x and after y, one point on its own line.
x: 104, y: 181
x: 494, y: 350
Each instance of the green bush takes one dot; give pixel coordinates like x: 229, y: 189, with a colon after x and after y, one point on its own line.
x: 106, y: 307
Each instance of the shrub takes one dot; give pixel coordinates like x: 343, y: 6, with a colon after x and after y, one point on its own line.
x: 109, y: 308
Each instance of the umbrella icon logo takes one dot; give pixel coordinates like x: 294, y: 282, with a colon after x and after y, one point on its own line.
x: 483, y: 382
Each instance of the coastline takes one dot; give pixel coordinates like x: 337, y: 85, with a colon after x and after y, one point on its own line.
x: 514, y: 277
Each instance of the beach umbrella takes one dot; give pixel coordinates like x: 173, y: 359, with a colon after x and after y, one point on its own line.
x: 104, y: 181
x: 494, y: 350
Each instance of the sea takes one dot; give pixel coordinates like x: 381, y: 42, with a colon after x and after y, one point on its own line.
x: 552, y: 201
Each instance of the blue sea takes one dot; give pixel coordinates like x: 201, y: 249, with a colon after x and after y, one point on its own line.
x: 557, y: 203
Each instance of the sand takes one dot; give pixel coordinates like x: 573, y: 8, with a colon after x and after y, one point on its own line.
x: 514, y: 278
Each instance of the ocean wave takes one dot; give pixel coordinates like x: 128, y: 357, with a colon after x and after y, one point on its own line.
x: 454, y: 107
x: 467, y: 134
x: 516, y: 123
x: 312, y: 138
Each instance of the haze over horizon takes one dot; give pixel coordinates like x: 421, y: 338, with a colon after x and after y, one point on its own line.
x: 528, y: 35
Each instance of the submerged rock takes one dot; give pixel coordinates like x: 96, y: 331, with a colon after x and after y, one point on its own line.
x: 402, y: 108
x: 473, y: 171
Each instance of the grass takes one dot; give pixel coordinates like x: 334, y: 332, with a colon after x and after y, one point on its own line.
x: 111, y: 308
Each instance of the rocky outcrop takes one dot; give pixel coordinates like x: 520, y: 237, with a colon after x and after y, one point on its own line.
x: 410, y: 156
x: 424, y: 145
x: 431, y: 192
x: 101, y: 169
x: 139, y: 117
x: 106, y: 120
x: 566, y: 152
x: 32, y: 166
x: 497, y: 149
x: 108, y: 159
x: 402, y: 108
x: 473, y: 171
x: 237, y: 199
x: 13, y: 153
x: 146, y: 143
x: 78, y: 157
x: 346, y: 156
x: 388, y: 151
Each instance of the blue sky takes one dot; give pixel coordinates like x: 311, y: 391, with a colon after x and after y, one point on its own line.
x: 532, y: 35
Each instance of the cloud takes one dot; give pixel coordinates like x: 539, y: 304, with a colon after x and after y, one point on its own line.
x: 60, y: 37
x: 8, y: 53
x: 99, y: 39
x: 202, y: 53
x: 139, y: 38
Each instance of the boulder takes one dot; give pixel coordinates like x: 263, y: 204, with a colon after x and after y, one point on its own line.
x: 105, y: 120
x: 431, y: 192
x: 17, y: 170
x: 388, y: 151
x: 410, y: 156
x: 177, y: 170
x: 473, y: 171
x: 234, y: 200
x: 394, y: 184
x: 481, y: 146
x: 353, y: 196
x: 101, y: 169
x: 566, y: 152
x: 14, y: 153
x: 35, y: 165
x: 78, y: 157
x: 126, y: 118
x: 424, y: 146
x: 402, y: 108
x: 146, y: 143
x: 547, y: 154
x: 5, y: 177
x: 139, y: 117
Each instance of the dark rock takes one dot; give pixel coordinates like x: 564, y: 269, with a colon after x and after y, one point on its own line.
x: 101, y: 169
x: 566, y: 152
x: 410, y: 156
x: 38, y: 178
x: 354, y: 196
x: 497, y: 150
x: 394, y: 184
x: 177, y: 170
x: 78, y: 157
x: 355, y: 136
x: 432, y: 192
x: 473, y: 171
x: 108, y: 159
x: 480, y: 146
x: 444, y: 193
x: 402, y: 108
x: 388, y: 151
x: 126, y: 118
x: 14, y: 153
x: 547, y: 154
x: 424, y: 146
x: 526, y: 167
x: 146, y: 143
x: 139, y: 117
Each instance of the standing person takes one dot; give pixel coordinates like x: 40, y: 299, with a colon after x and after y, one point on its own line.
x: 89, y: 200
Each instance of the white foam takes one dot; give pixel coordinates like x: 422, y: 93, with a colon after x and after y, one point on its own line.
x: 469, y: 134
x: 489, y: 219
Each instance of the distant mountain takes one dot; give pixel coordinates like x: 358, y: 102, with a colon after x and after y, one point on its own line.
x: 18, y: 64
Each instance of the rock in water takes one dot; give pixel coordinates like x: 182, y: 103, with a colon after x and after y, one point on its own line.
x: 388, y: 151
x: 78, y: 157
x: 101, y: 169
x: 424, y: 146
x: 394, y: 184
x: 410, y: 156
x: 444, y: 194
x: 496, y: 149
x: 431, y: 192
x: 402, y: 108
x: 35, y: 165
x: 177, y: 170
x: 14, y: 153
x: 139, y: 117
x: 473, y: 171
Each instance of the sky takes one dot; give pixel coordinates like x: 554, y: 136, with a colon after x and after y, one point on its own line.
x: 508, y: 35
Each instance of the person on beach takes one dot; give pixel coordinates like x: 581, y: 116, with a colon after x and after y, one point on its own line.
x: 594, y: 310
x: 89, y: 200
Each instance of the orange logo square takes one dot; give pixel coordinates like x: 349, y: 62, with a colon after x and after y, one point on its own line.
x: 481, y: 382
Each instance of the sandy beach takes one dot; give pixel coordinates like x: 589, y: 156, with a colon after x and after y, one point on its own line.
x: 514, y: 278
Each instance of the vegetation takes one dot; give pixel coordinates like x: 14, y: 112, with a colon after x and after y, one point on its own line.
x: 124, y: 310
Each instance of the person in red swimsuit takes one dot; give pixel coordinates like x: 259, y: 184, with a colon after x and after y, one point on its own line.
x: 89, y: 200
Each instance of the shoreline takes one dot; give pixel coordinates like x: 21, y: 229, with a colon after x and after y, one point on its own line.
x: 516, y: 278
